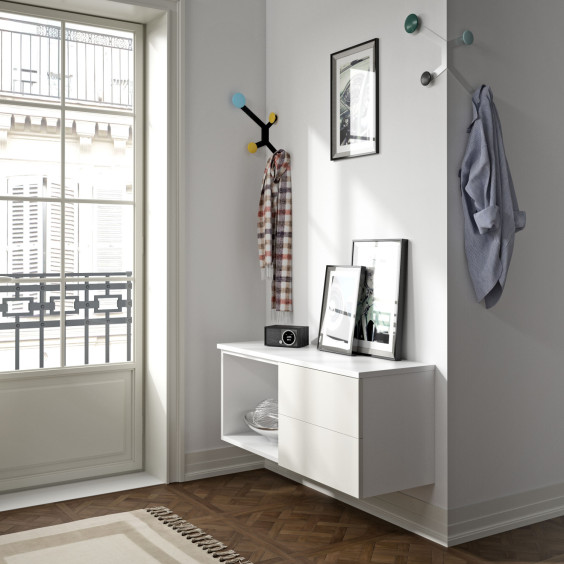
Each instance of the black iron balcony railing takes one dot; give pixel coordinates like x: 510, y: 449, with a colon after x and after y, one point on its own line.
x: 99, y: 67
x: 93, y: 300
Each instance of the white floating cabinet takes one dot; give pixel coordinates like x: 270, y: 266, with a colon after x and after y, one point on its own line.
x: 360, y: 425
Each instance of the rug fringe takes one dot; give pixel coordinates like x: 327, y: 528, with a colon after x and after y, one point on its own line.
x: 197, y: 536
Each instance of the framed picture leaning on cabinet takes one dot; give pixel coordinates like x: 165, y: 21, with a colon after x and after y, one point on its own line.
x: 379, y: 320
x: 339, y: 308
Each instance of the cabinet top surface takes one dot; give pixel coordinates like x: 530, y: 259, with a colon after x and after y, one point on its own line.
x: 356, y: 366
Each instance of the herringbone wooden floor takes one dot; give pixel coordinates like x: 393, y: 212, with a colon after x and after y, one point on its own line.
x: 272, y: 520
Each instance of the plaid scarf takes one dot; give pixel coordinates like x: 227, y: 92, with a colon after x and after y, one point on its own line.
x: 275, y: 230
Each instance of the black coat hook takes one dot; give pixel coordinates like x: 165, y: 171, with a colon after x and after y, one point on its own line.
x: 238, y: 101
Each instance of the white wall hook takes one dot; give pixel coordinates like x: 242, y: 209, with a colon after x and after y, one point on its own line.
x: 413, y: 23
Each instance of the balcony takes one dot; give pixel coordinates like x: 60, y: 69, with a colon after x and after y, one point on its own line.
x: 100, y: 67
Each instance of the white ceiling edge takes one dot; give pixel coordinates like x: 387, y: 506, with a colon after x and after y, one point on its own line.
x: 137, y: 11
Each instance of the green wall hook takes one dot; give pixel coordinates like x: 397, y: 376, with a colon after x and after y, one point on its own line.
x: 411, y: 23
x: 467, y: 37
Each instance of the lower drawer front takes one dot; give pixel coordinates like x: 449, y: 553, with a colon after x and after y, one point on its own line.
x: 320, y: 454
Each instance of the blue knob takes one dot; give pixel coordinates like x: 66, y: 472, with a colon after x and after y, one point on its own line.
x: 238, y: 100
x: 467, y: 37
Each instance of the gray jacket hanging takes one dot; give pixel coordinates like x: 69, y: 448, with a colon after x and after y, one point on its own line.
x: 491, y: 212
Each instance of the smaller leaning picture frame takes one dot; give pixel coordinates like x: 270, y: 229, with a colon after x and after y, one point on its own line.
x: 339, y: 308
x: 354, y: 101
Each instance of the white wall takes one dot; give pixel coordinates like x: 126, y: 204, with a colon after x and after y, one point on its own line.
x: 399, y: 193
x: 505, y: 364
x: 225, y: 296
x: 505, y: 385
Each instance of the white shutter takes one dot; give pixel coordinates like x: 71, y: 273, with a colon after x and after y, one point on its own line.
x: 53, y: 243
x: 53, y: 246
x: 34, y: 233
x: 25, y: 233
x: 108, y: 232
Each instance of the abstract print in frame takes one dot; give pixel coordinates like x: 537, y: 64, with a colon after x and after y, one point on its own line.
x: 354, y: 101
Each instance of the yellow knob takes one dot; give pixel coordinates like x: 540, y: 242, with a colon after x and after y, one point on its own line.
x: 272, y: 117
x: 252, y: 147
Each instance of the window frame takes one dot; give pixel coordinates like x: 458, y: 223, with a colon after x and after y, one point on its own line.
x: 138, y: 201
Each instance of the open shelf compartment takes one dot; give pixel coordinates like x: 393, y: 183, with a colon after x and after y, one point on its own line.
x: 245, y: 383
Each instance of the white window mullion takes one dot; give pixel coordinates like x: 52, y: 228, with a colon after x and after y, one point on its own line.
x: 63, y: 272
x: 139, y: 194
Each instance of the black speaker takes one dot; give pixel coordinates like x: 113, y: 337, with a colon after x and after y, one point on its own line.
x: 291, y: 336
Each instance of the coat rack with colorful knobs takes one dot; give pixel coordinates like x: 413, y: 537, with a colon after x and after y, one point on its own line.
x: 413, y: 24
x: 239, y: 101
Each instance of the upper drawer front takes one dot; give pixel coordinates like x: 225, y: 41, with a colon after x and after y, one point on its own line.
x: 320, y: 398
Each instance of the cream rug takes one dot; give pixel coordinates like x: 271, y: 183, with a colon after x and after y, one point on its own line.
x: 145, y: 536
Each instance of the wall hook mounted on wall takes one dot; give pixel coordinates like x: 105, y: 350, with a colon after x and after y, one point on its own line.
x: 413, y: 23
x: 238, y: 101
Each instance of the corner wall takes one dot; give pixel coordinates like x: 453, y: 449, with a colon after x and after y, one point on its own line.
x: 505, y: 416
x: 400, y: 192
x: 224, y: 295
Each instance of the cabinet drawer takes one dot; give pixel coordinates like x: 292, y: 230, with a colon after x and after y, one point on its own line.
x: 324, y: 456
x: 321, y: 398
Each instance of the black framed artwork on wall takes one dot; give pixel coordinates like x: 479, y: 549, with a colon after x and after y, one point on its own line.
x: 354, y: 101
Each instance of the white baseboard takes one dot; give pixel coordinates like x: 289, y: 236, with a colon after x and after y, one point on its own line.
x: 504, y: 514
x: 219, y: 461
x: 76, y: 490
x: 405, y: 511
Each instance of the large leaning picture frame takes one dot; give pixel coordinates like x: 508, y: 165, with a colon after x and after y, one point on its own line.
x: 379, y: 321
x: 339, y: 308
x: 354, y: 101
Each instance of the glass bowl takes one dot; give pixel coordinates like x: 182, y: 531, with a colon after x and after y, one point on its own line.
x: 270, y: 434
